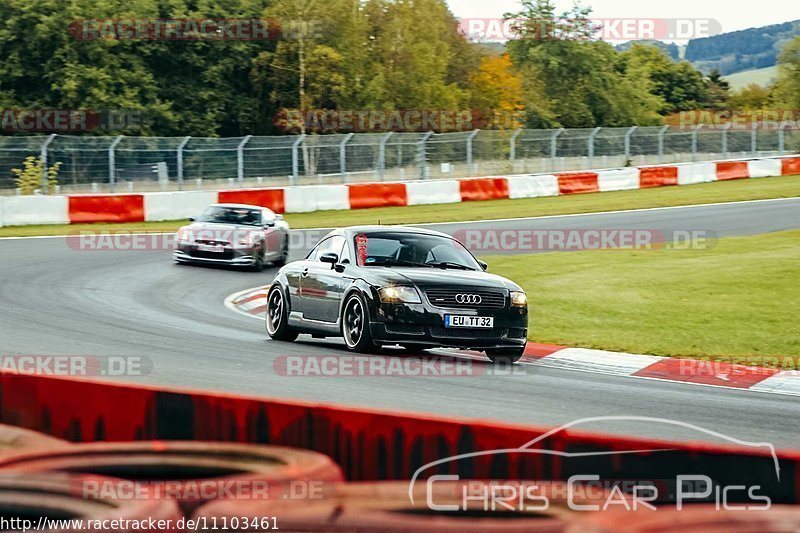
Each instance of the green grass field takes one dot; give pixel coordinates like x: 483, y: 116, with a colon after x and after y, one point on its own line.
x: 725, y: 191
x: 739, y: 300
x: 759, y: 76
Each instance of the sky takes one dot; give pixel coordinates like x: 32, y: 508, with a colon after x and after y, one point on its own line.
x: 730, y: 15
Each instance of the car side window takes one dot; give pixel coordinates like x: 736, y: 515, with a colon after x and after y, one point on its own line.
x: 344, y: 255
x: 332, y: 244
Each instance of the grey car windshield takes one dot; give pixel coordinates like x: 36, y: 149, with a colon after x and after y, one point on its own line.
x: 232, y: 215
x: 412, y: 250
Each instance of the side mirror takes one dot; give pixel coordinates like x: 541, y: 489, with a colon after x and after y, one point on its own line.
x: 484, y: 265
x: 269, y: 224
x: 331, y: 258
x: 192, y: 219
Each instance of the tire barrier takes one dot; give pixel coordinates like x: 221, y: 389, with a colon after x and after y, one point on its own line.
x: 509, y: 506
x: 704, y: 518
x: 26, y: 210
x: 189, y: 472
x: 58, y: 496
x: 376, y: 444
x: 14, y: 440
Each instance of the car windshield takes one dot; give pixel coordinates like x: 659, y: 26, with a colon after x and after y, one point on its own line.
x: 412, y: 250
x: 232, y: 215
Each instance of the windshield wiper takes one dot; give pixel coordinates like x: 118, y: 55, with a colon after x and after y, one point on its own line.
x: 396, y: 262
x: 448, y: 264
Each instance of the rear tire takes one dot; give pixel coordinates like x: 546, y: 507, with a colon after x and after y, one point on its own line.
x: 505, y: 355
x: 356, y: 326
x: 278, y: 317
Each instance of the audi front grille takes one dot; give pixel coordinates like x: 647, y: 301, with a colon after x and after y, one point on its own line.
x: 466, y: 299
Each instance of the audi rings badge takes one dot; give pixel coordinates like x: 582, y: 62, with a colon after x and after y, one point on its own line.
x: 472, y: 299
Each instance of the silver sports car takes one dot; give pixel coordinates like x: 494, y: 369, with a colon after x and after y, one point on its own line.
x: 234, y: 234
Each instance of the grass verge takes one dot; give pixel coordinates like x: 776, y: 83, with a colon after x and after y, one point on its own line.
x: 725, y: 191
x: 739, y: 301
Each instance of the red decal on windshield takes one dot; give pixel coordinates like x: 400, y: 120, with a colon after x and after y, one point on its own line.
x: 361, y: 249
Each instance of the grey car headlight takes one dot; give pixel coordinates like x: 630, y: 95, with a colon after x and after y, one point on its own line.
x: 399, y: 294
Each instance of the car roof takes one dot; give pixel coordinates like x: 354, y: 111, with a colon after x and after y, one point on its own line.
x: 241, y: 206
x: 395, y: 229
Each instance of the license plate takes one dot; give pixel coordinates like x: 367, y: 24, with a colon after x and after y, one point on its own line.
x: 461, y: 321
x: 215, y: 248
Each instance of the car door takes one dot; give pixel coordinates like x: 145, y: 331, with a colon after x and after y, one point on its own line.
x: 321, y: 285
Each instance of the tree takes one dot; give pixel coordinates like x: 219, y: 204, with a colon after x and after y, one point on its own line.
x: 582, y: 79
x: 751, y: 97
x: 717, y: 90
x: 787, y: 86
x: 498, y: 90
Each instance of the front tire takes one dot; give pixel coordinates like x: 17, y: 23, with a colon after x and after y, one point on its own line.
x: 503, y: 356
x: 278, y: 316
x: 258, y: 260
x: 284, y: 258
x: 355, y: 326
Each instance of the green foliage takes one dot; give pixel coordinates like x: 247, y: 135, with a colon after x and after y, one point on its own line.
x: 29, y: 177
x: 787, y: 87
x: 583, y: 81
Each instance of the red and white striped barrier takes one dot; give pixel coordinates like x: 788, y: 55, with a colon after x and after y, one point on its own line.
x: 158, y: 206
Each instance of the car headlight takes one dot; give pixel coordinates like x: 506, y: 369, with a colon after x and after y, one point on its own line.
x: 183, y: 236
x: 407, y: 295
x: 519, y: 299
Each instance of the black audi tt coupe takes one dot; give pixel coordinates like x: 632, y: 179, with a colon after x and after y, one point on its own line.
x: 389, y: 285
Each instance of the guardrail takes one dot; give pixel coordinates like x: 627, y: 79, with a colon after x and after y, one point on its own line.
x: 158, y: 206
x: 138, y: 164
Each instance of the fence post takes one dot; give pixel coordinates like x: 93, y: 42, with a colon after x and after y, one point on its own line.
x: 591, y: 144
x: 181, y: 146
x: 112, y: 163
x: 296, y: 158
x: 470, y: 137
x: 661, y: 133
x: 725, y: 142
x: 628, y: 142
x: 754, y: 139
x: 554, y: 147
x: 343, y: 156
x: 240, y: 159
x: 513, y: 146
x: 422, y: 156
x: 695, y: 130
x: 781, y: 138
x: 43, y: 159
x: 382, y: 154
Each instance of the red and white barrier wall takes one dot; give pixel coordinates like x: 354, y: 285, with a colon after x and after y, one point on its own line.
x: 157, y: 206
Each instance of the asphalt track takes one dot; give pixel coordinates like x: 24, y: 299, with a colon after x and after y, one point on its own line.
x: 56, y: 300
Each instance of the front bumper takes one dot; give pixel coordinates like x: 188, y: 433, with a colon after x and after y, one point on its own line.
x: 188, y: 253
x: 423, y: 324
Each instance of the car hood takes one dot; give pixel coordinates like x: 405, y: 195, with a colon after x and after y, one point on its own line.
x: 219, y: 232
x: 440, y: 278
